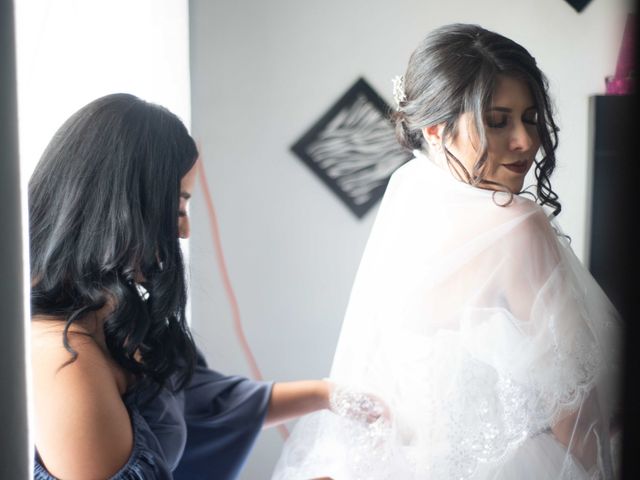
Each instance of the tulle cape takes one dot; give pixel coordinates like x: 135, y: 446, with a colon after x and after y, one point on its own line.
x: 482, y: 331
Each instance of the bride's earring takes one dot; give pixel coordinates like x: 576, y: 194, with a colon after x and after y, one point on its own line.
x: 433, y: 134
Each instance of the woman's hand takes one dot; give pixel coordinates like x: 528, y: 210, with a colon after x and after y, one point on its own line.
x: 357, y: 405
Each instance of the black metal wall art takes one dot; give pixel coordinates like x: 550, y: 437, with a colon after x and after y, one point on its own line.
x: 578, y: 5
x: 353, y: 149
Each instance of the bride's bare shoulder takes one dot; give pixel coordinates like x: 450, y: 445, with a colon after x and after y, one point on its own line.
x: 82, y: 427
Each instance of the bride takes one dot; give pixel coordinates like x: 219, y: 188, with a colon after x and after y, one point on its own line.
x: 470, y: 315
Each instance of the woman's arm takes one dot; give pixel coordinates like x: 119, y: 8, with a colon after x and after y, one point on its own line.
x: 82, y: 427
x: 290, y: 400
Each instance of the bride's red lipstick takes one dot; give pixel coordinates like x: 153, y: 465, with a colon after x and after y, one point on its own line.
x: 517, y: 167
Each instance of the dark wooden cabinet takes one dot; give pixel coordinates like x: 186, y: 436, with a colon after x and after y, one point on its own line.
x: 613, y: 253
x: 615, y: 200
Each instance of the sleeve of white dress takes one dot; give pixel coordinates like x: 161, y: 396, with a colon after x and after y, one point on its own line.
x: 560, y: 339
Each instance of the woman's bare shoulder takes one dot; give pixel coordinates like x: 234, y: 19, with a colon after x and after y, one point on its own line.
x: 82, y: 427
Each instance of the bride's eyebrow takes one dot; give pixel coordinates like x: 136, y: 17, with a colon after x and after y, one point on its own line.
x: 508, y: 110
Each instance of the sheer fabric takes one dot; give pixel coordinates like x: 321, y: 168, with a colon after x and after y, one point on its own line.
x: 495, y: 349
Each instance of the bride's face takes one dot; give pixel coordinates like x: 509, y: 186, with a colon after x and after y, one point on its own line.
x: 512, y: 136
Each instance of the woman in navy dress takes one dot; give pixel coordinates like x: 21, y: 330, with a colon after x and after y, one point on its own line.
x: 120, y: 389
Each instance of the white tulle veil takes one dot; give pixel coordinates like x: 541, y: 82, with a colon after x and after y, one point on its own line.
x: 482, y: 331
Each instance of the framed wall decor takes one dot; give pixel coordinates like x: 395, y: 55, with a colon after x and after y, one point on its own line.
x: 578, y: 5
x: 352, y: 148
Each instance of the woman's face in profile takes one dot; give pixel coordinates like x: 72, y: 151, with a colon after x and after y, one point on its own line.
x: 186, y: 187
x: 511, y: 131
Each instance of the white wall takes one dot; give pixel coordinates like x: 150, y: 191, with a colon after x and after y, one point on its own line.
x: 262, y: 73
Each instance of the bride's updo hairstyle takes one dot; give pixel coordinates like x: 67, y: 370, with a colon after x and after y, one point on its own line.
x: 103, y: 220
x: 454, y: 70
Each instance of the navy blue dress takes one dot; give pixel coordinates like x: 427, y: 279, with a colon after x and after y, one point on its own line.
x: 202, y: 432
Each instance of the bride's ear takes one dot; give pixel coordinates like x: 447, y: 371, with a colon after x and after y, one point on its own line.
x: 433, y: 134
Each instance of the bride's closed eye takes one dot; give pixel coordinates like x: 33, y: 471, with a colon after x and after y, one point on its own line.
x: 496, y: 120
x: 500, y: 119
x: 530, y: 117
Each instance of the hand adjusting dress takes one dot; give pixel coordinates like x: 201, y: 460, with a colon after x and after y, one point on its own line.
x: 482, y: 331
x: 202, y: 432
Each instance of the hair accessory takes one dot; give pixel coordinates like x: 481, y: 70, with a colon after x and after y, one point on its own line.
x: 398, y: 90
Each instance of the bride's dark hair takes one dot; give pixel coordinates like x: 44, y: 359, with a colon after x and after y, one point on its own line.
x: 103, y: 215
x: 454, y: 70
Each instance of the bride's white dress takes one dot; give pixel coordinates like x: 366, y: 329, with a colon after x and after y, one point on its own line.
x: 482, y: 331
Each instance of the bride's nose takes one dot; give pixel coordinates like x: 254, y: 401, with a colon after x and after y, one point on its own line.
x: 522, y: 138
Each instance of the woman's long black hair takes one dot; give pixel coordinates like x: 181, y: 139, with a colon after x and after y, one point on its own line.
x: 103, y: 218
